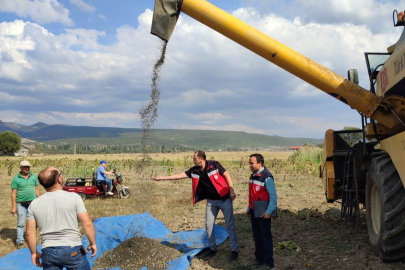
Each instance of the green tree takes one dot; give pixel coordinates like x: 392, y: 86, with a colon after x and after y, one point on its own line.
x: 352, y: 138
x: 9, y: 142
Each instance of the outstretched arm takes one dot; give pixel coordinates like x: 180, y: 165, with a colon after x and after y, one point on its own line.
x: 172, y: 177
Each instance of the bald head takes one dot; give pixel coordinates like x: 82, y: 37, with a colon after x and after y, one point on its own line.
x: 49, y: 177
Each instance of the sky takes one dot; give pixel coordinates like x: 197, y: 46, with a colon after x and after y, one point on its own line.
x: 89, y: 63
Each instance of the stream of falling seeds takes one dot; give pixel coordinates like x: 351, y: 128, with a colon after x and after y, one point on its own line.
x: 149, y: 113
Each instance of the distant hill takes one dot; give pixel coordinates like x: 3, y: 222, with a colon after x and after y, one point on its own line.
x: 122, y: 139
x: 44, y: 132
x: 23, y: 128
x: 4, y: 127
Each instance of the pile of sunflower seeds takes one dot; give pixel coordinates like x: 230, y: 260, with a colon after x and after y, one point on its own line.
x: 136, y: 253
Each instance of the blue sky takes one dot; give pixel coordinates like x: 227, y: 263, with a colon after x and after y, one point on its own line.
x: 89, y: 62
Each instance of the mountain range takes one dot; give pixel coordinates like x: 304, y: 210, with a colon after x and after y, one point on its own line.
x: 200, y: 139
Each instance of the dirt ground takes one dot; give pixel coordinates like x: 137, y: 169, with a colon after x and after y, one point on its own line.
x: 308, y: 233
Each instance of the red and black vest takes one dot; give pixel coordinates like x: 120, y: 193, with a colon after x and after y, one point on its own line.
x: 216, y: 178
x: 257, y: 187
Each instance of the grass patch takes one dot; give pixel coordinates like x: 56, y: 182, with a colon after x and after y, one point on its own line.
x: 305, y: 160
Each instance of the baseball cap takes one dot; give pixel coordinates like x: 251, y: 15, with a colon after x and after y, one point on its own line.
x: 25, y: 163
x: 103, y: 162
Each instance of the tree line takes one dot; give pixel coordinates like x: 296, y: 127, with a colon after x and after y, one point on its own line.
x: 112, y: 149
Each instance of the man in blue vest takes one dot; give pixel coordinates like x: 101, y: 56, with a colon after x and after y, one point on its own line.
x: 101, y: 175
x: 261, y: 188
x: 212, y: 182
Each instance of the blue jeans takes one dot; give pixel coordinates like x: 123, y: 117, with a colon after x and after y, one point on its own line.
x: 69, y: 257
x: 21, y: 218
x: 211, y: 213
x: 263, y: 239
x: 108, y: 182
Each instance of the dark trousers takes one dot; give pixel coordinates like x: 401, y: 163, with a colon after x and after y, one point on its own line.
x: 263, y: 239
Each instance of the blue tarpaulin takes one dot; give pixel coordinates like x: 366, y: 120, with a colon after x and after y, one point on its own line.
x: 112, y: 231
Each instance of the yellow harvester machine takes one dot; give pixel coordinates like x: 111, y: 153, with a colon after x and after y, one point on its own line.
x: 370, y: 172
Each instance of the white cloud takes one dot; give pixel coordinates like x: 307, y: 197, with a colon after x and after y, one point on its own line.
x: 98, y: 117
x: 207, y: 82
x: 233, y: 127
x: 213, y: 116
x: 103, y: 17
x: 195, y: 96
x: 375, y: 14
x: 309, y: 124
x: 83, y: 6
x: 305, y: 90
x: 41, y: 11
x: 112, y: 119
x: 82, y: 37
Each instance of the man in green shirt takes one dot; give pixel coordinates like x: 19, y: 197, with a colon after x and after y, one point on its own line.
x: 24, y: 189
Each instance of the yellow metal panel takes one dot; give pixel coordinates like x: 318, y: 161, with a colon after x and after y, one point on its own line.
x: 395, y: 146
x: 328, y: 144
x: 331, y: 169
x: 330, y: 180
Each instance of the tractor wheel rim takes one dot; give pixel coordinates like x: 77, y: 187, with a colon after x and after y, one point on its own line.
x: 375, y: 210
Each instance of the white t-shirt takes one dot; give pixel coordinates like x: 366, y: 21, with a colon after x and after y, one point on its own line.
x: 56, y: 216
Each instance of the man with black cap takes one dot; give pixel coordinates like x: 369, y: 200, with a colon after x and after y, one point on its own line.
x: 24, y: 189
x: 101, y: 175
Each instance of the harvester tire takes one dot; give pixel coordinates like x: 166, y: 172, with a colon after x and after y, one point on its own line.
x: 385, y: 204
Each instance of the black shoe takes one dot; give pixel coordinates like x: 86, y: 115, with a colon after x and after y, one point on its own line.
x: 267, y: 267
x: 209, y: 253
x: 254, y: 264
x: 234, y: 256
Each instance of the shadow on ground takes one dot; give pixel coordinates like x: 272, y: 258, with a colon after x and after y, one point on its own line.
x: 7, y: 233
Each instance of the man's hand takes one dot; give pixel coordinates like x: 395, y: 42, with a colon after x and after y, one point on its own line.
x: 265, y: 216
x: 248, y: 214
x: 14, y: 211
x: 158, y: 178
x: 93, y: 249
x: 35, y: 259
x: 232, y: 193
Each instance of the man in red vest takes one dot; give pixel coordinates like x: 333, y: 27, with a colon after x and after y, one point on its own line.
x: 212, y: 182
x: 263, y: 190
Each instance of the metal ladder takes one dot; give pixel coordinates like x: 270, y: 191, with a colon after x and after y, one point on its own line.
x: 350, y: 210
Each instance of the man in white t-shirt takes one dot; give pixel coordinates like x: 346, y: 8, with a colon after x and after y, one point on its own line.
x: 56, y: 215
